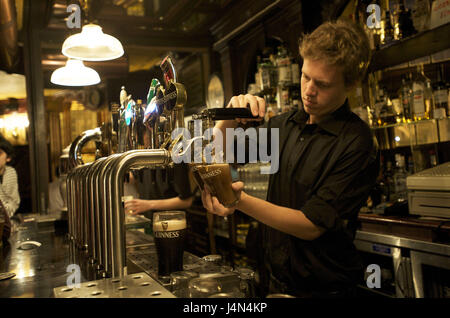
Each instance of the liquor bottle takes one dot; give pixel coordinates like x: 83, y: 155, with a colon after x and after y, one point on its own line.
x: 295, y: 98
x: 428, y: 97
x: 421, y: 15
x: 295, y: 71
x: 387, y: 115
x: 406, y: 97
x: 440, y: 96
x: 418, y: 87
x: 362, y: 109
x: 399, y: 177
x: 405, y: 24
x: 265, y: 73
x: 388, y: 29
x: 283, y: 63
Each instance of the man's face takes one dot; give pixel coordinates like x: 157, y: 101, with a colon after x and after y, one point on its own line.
x: 323, y: 89
x: 4, y: 159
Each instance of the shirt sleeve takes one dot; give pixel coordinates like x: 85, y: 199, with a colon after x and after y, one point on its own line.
x: 9, y: 192
x: 346, y: 188
x: 181, y: 183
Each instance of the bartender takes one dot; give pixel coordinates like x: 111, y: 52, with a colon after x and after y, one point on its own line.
x: 328, y: 165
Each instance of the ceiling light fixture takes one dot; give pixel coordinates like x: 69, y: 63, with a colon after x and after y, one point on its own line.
x: 92, y: 45
x: 75, y: 74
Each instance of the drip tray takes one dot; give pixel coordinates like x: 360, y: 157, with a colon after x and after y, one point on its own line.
x: 138, y: 285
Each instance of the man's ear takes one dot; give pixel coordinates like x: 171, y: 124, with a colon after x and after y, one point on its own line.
x: 8, y: 159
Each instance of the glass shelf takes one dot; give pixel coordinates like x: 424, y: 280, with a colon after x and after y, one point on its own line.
x: 412, y: 134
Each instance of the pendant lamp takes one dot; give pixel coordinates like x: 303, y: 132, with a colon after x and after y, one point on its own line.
x: 75, y: 74
x: 92, y: 45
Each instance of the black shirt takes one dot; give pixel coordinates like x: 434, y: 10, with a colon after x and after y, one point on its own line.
x: 327, y: 171
x: 157, y: 184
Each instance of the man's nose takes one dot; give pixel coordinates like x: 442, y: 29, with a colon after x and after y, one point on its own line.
x: 311, y: 90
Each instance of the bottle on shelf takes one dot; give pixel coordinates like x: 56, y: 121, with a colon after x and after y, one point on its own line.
x: 405, y: 23
x: 421, y: 15
x: 295, y: 98
x: 398, y: 110
x: 283, y: 63
x: 440, y: 96
x: 399, y: 177
x: 418, y: 88
x: 387, y: 115
x: 295, y: 71
x: 362, y: 109
x: 429, y: 100
x: 388, y: 33
x: 407, y: 97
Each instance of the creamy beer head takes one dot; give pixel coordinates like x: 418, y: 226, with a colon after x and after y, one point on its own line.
x: 170, y: 225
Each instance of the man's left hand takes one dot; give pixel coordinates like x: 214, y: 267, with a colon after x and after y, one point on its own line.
x: 212, y: 204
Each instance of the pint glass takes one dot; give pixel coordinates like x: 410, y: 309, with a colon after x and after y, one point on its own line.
x: 195, y: 173
x: 217, y: 177
x: 169, y: 229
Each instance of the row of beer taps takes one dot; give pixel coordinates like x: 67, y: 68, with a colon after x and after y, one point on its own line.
x: 96, y: 215
x: 138, y: 137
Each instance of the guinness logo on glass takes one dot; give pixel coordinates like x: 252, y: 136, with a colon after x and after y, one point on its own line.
x: 165, y: 225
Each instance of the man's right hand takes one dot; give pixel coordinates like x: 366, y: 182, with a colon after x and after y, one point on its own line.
x: 257, y: 106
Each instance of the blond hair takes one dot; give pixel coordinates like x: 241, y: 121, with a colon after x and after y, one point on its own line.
x: 339, y: 43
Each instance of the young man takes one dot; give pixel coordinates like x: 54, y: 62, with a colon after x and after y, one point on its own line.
x: 328, y: 164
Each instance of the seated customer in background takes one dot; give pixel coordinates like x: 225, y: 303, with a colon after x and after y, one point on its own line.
x: 9, y: 189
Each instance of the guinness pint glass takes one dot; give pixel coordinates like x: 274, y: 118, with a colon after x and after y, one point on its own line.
x: 169, y: 229
x: 218, y: 178
x: 198, y: 180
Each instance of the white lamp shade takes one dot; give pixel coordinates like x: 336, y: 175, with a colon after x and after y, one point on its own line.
x: 75, y: 74
x: 92, y: 45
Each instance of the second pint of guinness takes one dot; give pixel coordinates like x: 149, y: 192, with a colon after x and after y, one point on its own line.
x: 169, y: 229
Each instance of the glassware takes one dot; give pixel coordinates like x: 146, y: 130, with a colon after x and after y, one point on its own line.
x: 169, y: 228
x: 204, y: 287
x: 179, y: 282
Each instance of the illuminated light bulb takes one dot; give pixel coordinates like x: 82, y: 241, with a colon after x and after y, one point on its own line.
x: 75, y: 74
x: 92, y: 45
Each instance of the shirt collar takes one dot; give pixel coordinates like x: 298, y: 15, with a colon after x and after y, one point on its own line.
x: 332, y: 123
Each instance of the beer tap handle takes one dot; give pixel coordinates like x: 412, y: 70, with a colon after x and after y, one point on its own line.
x: 152, y: 90
x: 169, y: 70
x: 228, y: 113
x: 123, y: 96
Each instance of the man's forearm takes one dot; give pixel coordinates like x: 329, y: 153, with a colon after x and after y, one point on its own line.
x: 287, y: 220
x: 171, y: 203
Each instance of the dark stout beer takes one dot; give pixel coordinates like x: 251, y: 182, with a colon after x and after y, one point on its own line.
x: 169, y: 229
x: 218, y: 178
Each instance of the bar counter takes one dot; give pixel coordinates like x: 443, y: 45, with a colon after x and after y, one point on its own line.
x: 41, y: 256
x: 39, y: 252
